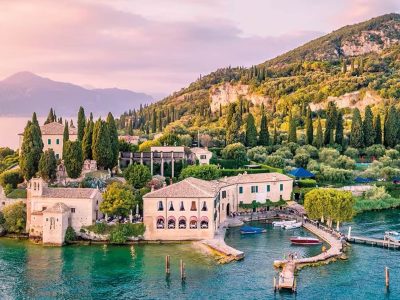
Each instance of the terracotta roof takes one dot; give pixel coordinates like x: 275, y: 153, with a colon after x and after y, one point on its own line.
x: 193, y: 187
x: 189, y: 187
x: 56, y: 129
x: 59, y: 207
x: 77, y: 193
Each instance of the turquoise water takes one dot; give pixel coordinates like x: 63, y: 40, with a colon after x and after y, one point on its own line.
x: 109, y: 272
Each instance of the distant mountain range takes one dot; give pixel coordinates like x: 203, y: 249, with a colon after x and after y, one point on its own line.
x: 25, y: 92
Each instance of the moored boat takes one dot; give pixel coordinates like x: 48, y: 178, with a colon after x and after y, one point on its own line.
x: 293, y: 225
x: 283, y: 223
x: 251, y: 230
x: 304, y: 240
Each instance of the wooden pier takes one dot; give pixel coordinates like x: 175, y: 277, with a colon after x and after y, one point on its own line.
x: 374, y: 242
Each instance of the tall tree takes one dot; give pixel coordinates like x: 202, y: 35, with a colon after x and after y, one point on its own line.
x: 292, y: 135
x: 233, y: 132
x: 276, y: 138
x: 319, y: 138
x: 368, y: 127
x: 309, y: 127
x: 31, y: 149
x: 154, y: 121
x: 390, y: 129
x: 87, y: 140
x: 48, y: 165
x: 356, y: 134
x: 66, y: 132
x: 264, y: 134
x: 112, y: 128
x: 81, y: 123
x: 378, y: 129
x: 339, y: 128
x: 251, y: 131
x: 50, y: 117
x: 101, y: 146
x: 73, y: 158
x: 331, y: 115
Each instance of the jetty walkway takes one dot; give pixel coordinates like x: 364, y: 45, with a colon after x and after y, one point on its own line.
x: 333, y: 238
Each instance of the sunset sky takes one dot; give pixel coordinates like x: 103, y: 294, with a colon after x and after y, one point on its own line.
x: 159, y: 46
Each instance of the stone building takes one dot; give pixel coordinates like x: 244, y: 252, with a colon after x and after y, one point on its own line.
x: 203, y: 155
x: 51, y: 210
x: 52, y: 137
x: 192, y: 209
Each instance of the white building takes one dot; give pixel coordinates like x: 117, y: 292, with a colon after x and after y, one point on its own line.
x: 203, y: 155
x: 52, y: 137
x: 192, y: 209
x: 51, y: 210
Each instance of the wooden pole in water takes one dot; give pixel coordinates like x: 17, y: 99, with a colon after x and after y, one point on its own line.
x: 349, y: 234
x: 387, y: 276
x: 182, y: 271
x: 167, y: 265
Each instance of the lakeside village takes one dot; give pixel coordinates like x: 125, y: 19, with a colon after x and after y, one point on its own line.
x: 96, y: 182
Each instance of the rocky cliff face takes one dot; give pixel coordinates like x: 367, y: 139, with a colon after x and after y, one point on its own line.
x: 228, y: 93
x: 350, y: 100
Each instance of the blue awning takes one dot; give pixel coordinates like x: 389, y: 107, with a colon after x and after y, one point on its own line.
x: 363, y: 180
x: 301, y: 173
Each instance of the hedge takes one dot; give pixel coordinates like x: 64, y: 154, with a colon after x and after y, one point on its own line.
x: 226, y: 163
x: 17, y: 194
x: 307, y: 183
x: 13, y: 177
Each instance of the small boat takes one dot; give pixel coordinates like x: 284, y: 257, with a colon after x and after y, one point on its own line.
x: 283, y: 223
x: 293, y: 226
x: 304, y: 240
x: 251, y: 230
x: 393, y: 236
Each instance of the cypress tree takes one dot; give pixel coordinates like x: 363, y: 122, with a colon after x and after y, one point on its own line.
x: 160, y: 121
x: 81, y: 123
x: 251, y: 131
x: 220, y: 110
x: 130, y: 127
x: 113, y: 133
x: 73, y: 158
x: 233, y: 131
x: 339, y: 128
x: 264, y: 134
x: 71, y: 123
x: 31, y: 149
x: 66, y: 132
x: 309, y: 127
x: 292, y: 137
x: 356, y: 134
x: 154, y: 121
x: 101, y: 146
x: 48, y: 165
x: 378, y: 129
x: 390, y: 130
x: 276, y: 138
x: 319, y: 138
x: 368, y: 127
x: 331, y: 116
x: 87, y: 140
x: 50, y: 117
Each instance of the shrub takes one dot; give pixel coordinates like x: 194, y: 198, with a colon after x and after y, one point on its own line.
x: 8, y: 189
x: 70, y: 234
x: 376, y: 193
x: 137, y: 175
x: 328, y: 155
x: 393, y: 154
x: 275, y: 161
x: 235, y: 151
x: 15, y: 217
x: 205, y: 172
x: 17, y: 194
x: 311, y: 150
x: 146, y: 146
x: 12, y: 177
x: 98, y: 228
x: 375, y: 151
x: 117, y: 235
x: 284, y: 153
x: 226, y: 163
x: 292, y: 147
x: 351, y: 152
x: 362, y: 205
x: 302, y: 159
x: 256, y: 151
x: 343, y: 162
x: 307, y: 183
x: 330, y: 174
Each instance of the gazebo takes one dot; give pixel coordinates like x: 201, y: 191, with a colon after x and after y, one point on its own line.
x: 301, y: 173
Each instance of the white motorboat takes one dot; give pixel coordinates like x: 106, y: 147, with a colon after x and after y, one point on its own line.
x: 283, y: 223
x: 293, y: 226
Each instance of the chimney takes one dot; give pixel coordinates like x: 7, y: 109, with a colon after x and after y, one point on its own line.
x: 152, y: 187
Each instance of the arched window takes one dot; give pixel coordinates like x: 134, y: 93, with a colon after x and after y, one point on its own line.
x: 204, y: 207
x: 160, y: 223
x: 204, y: 223
x: 182, y: 223
x: 160, y: 206
x: 193, y: 223
x: 171, y: 223
x: 171, y: 206
x: 52, y: 223
x: 182, y: 207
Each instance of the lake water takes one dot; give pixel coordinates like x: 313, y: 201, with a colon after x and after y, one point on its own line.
x: 29, y: 271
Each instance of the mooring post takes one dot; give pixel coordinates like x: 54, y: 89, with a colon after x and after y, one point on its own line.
x: 349, y: 233
x: 387, y: 279
x: 167, y: 265
x: 182, y: 271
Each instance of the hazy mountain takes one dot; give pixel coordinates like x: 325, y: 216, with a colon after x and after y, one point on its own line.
x: 25, y: 92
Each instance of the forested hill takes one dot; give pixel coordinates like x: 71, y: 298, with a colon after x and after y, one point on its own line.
x: 353, y: 66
